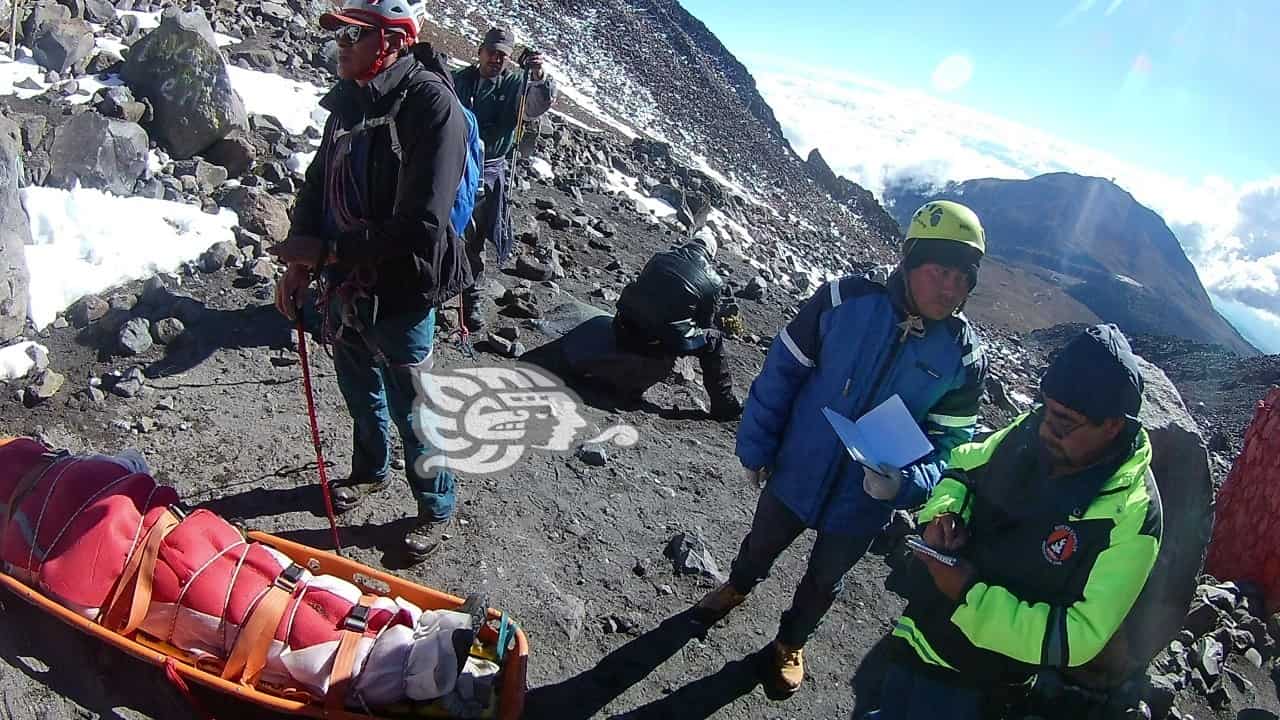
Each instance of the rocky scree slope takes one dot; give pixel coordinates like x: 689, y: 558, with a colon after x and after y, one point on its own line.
x: 659, y: 69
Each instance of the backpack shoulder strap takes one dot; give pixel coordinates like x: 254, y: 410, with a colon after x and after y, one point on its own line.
x: 388, y: 119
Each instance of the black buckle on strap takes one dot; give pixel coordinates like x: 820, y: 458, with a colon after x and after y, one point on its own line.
x: 289, y: 578
x: 358, y: 620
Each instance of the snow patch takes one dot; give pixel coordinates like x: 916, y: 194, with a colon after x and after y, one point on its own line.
x: 299, y: 162
x: 12, y: 73
x: 86, y: 241
x: 575, y: 121
x: 156, y: 160
x: 295, y: 104
x: 589, y: 105
x: 26, y: 72
x: 700, y: 163
x: 628, y: 187
x: 110, y: 43
x: 17, y: 360
x: 151, y: 20
x: 542, y: 168
x: 1128, y: 280
x: 584, y: 99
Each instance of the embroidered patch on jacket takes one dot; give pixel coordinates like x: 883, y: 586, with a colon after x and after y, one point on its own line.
x: 1061, y: 544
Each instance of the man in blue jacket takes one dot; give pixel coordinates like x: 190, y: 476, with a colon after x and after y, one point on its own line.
x: 855, y: 344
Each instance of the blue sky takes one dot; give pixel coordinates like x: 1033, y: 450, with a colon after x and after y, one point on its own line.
x: 1184, y: 87
x: 1175, y: 101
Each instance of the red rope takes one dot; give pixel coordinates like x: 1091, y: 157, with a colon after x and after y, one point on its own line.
x: 171, y: 672
x: 315, y: 432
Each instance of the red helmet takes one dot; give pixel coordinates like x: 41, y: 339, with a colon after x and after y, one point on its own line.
x: 403, y: 16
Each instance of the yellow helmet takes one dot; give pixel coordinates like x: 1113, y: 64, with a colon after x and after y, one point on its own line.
x: 946, y: 220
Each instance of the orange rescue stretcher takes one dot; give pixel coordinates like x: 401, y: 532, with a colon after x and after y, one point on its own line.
x: 505, y: 644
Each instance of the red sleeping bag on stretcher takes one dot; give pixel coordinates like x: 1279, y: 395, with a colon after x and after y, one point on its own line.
x: 98, y: 535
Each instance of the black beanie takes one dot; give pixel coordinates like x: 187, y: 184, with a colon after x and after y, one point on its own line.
x: 946, y: 253
x: 1096, y: 375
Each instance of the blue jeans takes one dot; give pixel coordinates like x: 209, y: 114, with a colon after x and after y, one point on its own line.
x: 374, y: 370
x: 912, y: 695
x: 773, y: 529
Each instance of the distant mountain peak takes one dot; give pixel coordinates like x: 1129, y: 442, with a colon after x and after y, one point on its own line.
x: 1105, y: 249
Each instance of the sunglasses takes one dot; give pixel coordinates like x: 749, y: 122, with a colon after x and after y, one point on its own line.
x: 1062, y: 426
x: 348, y: 35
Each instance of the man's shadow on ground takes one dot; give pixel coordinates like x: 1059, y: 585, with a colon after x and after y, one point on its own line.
x: 868, y: 679
x: 264, y: 502
x: 586, y: 694
x: 550, y: 357
x: 205, y: 332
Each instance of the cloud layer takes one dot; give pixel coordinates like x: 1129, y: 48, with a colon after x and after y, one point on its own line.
x: 879, y: 136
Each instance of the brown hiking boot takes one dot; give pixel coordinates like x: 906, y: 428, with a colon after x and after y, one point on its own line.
x: 347, y: 494
x: 786, y: 672
x: 715, y: 605
x: 425, y: 538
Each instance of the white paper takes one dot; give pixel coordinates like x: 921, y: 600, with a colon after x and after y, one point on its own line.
x: 886, y: 437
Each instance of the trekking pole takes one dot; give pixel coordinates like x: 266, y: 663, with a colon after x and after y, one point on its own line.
x: 315, y: 432
x: 13, y: 32
x: 515, y: 146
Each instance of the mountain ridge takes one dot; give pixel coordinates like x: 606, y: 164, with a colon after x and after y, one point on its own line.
x: 1103, y: 247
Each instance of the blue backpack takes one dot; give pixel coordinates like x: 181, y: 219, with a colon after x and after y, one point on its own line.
x: 472, y: 175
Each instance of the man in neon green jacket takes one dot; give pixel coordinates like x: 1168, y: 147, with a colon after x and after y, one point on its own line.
x: 1056, y: 522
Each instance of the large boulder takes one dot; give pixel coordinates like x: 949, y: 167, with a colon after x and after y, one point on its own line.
x: 179, y: 69
x: 58, y: 36
x: 311, y: 9
x: 98, y: 152
x: 117, y: 102
x: 75, y: 6
x: 99, y: 11
x: 235, y: 152
x: 254, y: 53
x: 259, y: 212
x: 41, y: 14
x: 63, y: 45
x: 1180, y: 463
x: 15, y: 234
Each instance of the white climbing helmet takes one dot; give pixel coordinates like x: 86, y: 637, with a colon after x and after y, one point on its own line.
x: 707, y: 239
x: 403, y: 16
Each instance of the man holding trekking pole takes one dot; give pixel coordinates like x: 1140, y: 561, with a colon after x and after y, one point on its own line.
x: 502, y: 99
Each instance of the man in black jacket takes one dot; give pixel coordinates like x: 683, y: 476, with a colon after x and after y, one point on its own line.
x: 372, y: 221
x: 668, y: 310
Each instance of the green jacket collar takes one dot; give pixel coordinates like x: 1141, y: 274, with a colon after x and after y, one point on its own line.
x: 1124, y: 465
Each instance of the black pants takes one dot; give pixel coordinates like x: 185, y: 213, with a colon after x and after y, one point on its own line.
x: 709, y: 349
x: 475, y: 241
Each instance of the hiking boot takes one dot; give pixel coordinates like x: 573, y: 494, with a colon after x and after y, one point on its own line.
x: 786, y: 671
x: 349, y: 493
x: 727, y: 409
x: 473, y: 312
x: 425, y: 539
x: 715, y: 605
